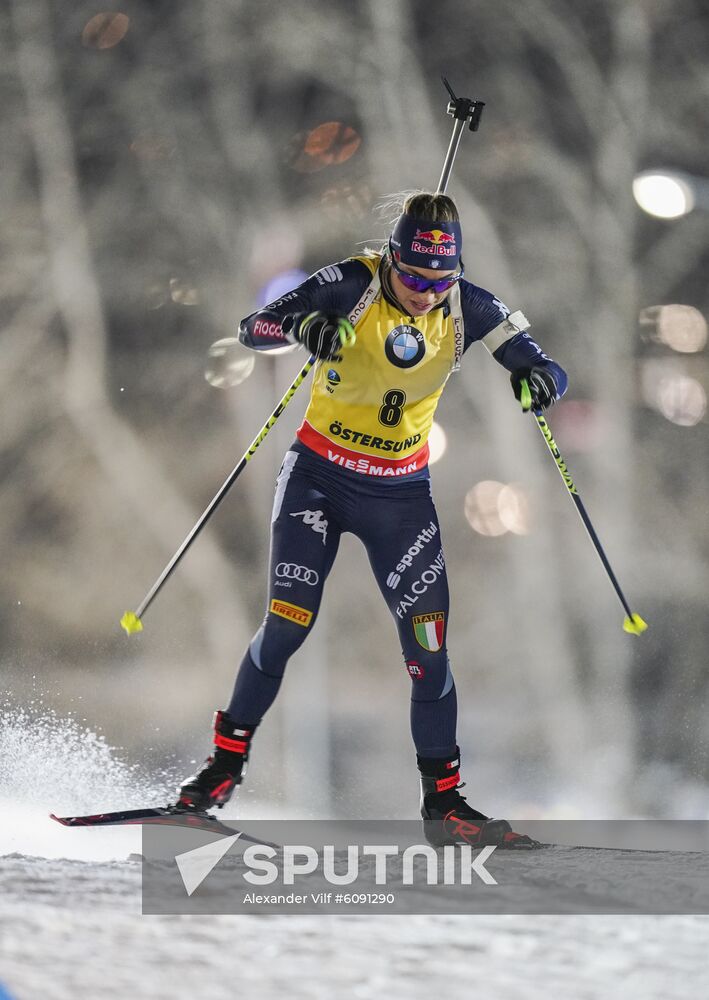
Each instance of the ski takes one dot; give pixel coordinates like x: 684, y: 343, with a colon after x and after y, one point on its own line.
x: 167, y: 816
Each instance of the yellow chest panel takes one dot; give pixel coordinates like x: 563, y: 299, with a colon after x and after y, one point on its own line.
x: 379, y: 400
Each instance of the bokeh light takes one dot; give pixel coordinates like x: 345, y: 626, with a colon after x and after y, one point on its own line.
x: 493, y: 508
x: 280, y: 285
x: 682, y: 328
x: 664, y: 195
x: 681, y: 399
x: 228, y: 363
x: 482, y: 508
x: 437, y: 443
x: 513, y: 508
x: 330, y: 143
x: 105, y: 30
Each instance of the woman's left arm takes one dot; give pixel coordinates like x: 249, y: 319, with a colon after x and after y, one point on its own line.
x: 504, y: 334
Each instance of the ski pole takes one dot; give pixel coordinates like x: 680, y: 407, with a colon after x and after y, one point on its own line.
x: 633, y: 623
x: 463, y: 110
x: 131, y: 620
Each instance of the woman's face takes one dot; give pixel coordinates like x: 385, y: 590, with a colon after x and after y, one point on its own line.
x: 418, y: 303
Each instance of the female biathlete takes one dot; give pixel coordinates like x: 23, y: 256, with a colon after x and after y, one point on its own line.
x: 388, y: 329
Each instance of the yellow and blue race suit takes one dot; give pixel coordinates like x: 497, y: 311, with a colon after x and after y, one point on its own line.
x: 360, y: 464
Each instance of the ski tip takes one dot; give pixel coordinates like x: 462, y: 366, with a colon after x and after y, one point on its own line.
x: 59, y: 819
x: 131, y: 623
x: 634, y: 625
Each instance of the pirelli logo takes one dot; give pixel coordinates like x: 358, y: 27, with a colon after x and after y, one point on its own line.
x: 301, y: 616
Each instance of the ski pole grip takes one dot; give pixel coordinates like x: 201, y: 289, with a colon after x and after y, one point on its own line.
x: 525, y: 397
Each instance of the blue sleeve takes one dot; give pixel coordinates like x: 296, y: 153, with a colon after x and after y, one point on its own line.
x: 334, y: 289
x: 521, y: 352
x: 482, y: 312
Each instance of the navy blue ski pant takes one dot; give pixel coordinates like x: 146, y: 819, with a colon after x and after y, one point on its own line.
x: 315, y: 502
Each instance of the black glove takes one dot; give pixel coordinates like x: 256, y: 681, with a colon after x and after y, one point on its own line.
x: 541, y: 386
x: 323, y: 334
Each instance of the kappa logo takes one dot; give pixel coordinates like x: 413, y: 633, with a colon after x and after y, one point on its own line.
x: 291, y: 571
x: 422, y: 539
x: 293, y: 612
x: 405, y: 346
x: 315, y: 520
x: 501, y: 306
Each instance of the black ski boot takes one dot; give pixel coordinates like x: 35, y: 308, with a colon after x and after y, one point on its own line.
x: 217, y: 778
x: 448, y: 819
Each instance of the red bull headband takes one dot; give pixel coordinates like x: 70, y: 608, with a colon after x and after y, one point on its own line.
x: 421, y: 243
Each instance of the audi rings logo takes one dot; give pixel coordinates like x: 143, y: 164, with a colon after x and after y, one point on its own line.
x: 291, y: 571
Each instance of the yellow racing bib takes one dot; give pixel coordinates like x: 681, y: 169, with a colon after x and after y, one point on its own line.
x: 372, y: 411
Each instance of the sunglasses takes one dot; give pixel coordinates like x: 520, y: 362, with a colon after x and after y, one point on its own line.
x: 415, y: 283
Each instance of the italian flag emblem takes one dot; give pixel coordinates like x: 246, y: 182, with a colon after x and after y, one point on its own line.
x: 429, y: 629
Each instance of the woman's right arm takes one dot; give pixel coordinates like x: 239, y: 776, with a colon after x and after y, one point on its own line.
x: 335, y: 289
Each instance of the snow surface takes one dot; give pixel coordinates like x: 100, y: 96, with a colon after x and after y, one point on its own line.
x: 70, y: 921
x: 72, y: 928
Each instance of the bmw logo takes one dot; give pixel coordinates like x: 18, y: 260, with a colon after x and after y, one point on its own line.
x: 405, y: 346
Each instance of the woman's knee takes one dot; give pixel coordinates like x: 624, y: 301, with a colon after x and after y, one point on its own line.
x: 283, y: 632
x: 431, y: 676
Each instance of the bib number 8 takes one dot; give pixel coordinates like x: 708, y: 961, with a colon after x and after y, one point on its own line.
x: 392, y: 408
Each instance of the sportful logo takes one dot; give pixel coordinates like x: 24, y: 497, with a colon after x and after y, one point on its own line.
x: 429, y: 630
x: 420, y: 586
x: 291, y: 571
x: 315, y: 520
x: 329, y: 274
x: 408, y: 557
